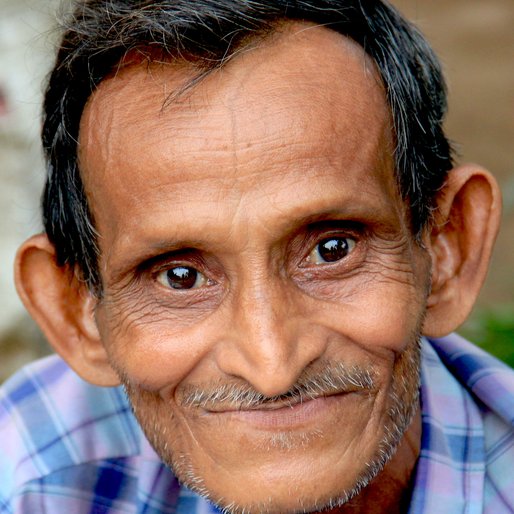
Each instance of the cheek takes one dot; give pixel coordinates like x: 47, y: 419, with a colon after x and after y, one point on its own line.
x: 152, y: 353
x: 390, y: 321
x: 386, y: 317
x: 381, y: 306
x: 157, y: 348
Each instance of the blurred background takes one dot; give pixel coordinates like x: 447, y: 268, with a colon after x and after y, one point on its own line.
x: 475, y: 41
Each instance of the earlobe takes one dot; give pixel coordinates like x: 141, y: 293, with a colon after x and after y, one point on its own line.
x: 63, y: 307
x: 460, y: 243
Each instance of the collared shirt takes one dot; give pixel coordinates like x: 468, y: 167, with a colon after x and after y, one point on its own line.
x: 69, y: 447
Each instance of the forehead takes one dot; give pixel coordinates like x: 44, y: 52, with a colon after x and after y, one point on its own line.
x: 306, y: 105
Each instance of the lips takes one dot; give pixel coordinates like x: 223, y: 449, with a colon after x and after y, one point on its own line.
x: 285, y: 402
x: 316, y: 412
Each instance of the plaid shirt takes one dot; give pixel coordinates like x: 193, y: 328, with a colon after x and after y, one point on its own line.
x: 69, y: 447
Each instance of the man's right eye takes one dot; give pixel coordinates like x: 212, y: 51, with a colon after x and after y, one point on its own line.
x: 182, y: 277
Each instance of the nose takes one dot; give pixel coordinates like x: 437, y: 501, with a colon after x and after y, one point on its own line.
x: 269, y: 342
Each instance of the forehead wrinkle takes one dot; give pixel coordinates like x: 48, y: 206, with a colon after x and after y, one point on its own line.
x: 160, y: 76
x: 227, y: 229
x: 213, y: 113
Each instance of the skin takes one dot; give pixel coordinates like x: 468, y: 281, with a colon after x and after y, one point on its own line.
x: 242, y: 179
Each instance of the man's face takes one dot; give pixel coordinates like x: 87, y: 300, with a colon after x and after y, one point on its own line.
x: 263, y: 294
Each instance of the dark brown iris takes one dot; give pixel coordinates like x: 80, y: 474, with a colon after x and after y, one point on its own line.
x: 182, y: 277
x: 334, y: 249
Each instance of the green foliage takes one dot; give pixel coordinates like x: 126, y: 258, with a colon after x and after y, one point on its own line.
x: 493, y: 330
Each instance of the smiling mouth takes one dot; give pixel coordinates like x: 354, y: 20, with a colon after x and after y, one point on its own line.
x: 286, y: 415
x: 333, y: 387
x: 273, y: 404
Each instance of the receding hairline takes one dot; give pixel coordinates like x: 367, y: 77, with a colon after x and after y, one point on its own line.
x: 194, y: 68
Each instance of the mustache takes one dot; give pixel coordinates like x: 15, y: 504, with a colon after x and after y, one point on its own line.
x: 330, y: 380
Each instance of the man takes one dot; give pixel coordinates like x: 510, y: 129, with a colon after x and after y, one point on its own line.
x: 254, y: 227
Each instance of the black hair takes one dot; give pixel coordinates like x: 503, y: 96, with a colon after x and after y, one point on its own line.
x: 99, y: 33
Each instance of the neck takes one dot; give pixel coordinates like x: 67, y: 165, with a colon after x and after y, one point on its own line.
x: 390, y: 491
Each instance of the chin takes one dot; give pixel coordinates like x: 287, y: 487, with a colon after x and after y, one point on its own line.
x: 287, y: 473
x: 306, y: 492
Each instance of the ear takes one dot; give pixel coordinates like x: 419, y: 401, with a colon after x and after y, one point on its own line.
x: 63, y: 307
x: 460, y: 243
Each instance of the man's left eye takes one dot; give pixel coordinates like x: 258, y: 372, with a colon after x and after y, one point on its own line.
x: 331, y: 249
x: 182, y: 277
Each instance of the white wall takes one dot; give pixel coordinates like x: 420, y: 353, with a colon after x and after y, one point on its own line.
x: 26, y: 53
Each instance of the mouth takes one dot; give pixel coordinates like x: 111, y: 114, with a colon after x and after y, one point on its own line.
x: 276, y: 403
x: 318, y: 397
x: 289, y: 413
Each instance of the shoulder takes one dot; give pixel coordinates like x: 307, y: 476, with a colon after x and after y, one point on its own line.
x: 490, y: 381
x: 467, y: 401
x: 52, y: 422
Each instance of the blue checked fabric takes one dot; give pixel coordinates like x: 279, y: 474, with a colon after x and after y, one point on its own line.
x: 72, y: 448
